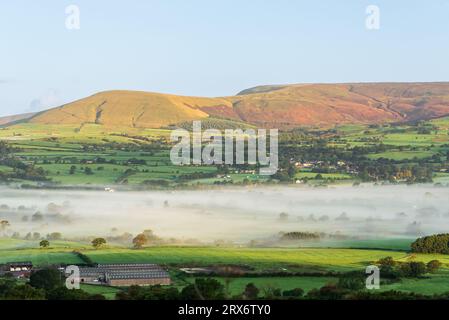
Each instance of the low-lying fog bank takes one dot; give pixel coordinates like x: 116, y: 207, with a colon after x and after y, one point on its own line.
x: 238, y: 215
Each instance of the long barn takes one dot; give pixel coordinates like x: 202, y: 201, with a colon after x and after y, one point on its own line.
x: 125, y: 275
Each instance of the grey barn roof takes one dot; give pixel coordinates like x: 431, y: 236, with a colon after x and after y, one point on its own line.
x: 148, y: 275
x: 125, y: 271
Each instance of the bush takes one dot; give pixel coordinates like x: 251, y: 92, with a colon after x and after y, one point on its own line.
x: 251, y: 291
x: 148, y: 293
x: 62, y: 293
x: 413, y: 269
x: 353, y: 281
x: 433, y: 266
x: 294, y: 293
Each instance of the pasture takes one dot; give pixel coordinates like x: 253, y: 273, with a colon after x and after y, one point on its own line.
x: 263, y: 258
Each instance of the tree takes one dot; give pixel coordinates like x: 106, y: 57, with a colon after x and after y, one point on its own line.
x: 272, y: 293
x: 98, y: 242
x: 204, y: 289
x: 293, y: 293
x: 413, y: 269
x: 44, y: 244
x: 283, y: 216
x: 88, y: 171
x: 433, y: 266
x: 291, y: 172
x: 47, y: 279
x: 72, y: 170
x: 251, y: 291
x: 54, y: 236
x: 37, y: 217
x: 21, y: 292
x: 4, y: 224
x: 386, y: 262
x: 353, y: 281
x: 140, y: 240
x: 438, y: 243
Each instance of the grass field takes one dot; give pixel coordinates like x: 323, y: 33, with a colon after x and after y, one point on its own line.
x: 276, y: 258
x: 402, y: 155
x: 431, y: 284
x: 108, y: 292
x: 40, y: 257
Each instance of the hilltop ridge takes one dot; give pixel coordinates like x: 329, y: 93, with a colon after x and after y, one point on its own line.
x: 272, y: 105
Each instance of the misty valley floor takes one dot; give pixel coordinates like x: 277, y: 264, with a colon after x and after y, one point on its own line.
x: 238, y: 227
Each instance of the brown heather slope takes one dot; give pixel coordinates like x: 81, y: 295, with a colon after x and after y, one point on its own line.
x: 271, y: 106
x: 328, y: 104
x: 131, y: 109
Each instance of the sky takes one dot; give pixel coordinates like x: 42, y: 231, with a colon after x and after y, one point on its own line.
x: 211, y: 47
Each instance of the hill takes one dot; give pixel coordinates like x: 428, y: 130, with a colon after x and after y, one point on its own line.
x: 327, y: 104
x: 131, y: 109
x: 14, y: 119
x: 271, y: 106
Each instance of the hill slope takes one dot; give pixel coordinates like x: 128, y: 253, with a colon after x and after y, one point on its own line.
x: 326, y: 104
x: 13, y: 119
x: 280, y: 106
x: 130, y: 109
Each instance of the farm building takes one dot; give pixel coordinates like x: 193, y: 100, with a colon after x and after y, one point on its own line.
x: 123, y: 275
x: 17, y: 269
x: 19, y: 266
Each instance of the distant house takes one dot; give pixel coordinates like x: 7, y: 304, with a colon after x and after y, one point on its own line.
x: 124, y: 275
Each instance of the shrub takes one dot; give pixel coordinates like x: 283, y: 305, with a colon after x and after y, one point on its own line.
x: 433, y: 266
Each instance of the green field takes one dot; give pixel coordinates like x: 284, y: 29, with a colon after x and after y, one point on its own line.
x: 277, y: 258
x: 108, y: 292
x: 40, y: 257
x: 402, y: 155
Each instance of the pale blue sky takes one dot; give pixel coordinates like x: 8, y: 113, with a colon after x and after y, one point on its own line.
x: 211, y: 47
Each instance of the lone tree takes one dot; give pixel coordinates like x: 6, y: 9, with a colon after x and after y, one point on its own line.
x: 98, y: 242
x: 251, y: 292
x: 433, y: 266
x: 4, y: 224
x: 44, y: 244
x: 140, y: 240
